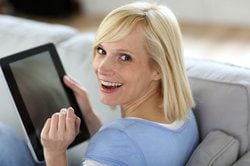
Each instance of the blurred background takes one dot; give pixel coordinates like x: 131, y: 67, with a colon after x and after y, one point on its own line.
x: 212, y: 29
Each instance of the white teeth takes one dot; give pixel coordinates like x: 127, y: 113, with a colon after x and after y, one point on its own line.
x: 111, y: 84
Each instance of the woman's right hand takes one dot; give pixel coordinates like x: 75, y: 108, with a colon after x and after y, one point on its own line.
x: 58, y: 133
x: 92, y: 121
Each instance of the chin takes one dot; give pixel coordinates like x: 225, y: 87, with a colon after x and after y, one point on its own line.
x: 109, y: 102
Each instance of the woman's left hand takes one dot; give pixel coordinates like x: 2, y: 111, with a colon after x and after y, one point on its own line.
x: 59, y: 132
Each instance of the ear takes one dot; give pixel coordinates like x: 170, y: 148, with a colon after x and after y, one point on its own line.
x: 156, y: 75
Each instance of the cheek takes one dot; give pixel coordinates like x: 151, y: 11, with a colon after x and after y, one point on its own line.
x: 95, y: 65
x: 138, y: 80
x: 135, y: 88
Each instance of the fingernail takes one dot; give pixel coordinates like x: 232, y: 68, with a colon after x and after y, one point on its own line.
x: 64, y: 110
x: 70, y: 108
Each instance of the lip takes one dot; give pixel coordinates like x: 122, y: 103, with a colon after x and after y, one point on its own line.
x: 108, y: 91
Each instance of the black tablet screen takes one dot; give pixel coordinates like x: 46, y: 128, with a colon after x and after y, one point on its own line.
x: 40, y: 87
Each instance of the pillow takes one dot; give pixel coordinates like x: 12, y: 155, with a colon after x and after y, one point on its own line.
x: 217, y: 149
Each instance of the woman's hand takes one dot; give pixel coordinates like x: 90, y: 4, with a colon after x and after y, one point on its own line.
x: 80, y: 94
x: 57, y: 134
x: 92, y: 121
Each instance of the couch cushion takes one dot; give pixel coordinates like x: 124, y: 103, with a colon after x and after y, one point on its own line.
x: 217, y: 149
x: 18, y: 34
x: 221, y: 92
x: 244, y: 160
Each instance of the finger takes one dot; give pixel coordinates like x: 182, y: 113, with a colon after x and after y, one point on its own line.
x: 54, y: 123
x: 71, y: 118
x: 62, y: 122
x: 77, y: 125
x: 70, y: 80
x: 46, y: 128
x: 71, y: 83
x: 71, y: 113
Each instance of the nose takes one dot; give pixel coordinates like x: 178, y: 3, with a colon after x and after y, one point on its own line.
x: 105, y: 65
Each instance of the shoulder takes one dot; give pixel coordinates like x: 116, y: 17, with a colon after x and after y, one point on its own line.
x: 119, y: 124
x: 112, y: 134
x: 112, y: 145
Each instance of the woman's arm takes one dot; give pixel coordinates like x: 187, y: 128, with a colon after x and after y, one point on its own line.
x: 92, y: 120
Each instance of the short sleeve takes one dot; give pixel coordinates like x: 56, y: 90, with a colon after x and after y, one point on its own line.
x: 114, y: 147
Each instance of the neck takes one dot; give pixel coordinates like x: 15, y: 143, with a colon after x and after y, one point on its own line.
x: 148, y: 106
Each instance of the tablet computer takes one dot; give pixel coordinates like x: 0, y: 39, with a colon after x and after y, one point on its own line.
x: 34, y: 78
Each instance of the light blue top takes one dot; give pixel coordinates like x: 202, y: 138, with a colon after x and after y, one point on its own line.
x: 138, y: 142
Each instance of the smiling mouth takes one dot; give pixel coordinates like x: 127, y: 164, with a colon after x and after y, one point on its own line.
x: 110, y: 85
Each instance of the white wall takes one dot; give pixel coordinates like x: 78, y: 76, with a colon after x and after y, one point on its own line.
x: 102, y: 7
x: 234, y: 12
x: 216, y: 11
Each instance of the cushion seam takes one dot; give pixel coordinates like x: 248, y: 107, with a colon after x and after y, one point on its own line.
x: 223, y: 149
x: 220, y: 81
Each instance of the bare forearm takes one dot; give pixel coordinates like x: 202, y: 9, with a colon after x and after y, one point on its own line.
x: 54, y: 159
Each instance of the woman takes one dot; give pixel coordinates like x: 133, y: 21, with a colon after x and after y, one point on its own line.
x: 137, y: 58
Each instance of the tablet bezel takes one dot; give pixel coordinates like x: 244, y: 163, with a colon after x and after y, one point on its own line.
x: 23, y: 112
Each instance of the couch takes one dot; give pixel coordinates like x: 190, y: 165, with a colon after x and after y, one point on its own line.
x: 221, y: 92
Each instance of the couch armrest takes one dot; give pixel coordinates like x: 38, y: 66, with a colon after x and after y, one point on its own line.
x: 244, y: 160
x: 217, y: 149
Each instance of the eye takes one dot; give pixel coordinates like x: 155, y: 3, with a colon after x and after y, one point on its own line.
x: 125, y: 57
x: 100, y: 50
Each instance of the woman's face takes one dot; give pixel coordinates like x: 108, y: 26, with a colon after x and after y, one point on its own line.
x: 122, y: 69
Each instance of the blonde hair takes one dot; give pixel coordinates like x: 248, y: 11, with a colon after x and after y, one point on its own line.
x: 163, y: 42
